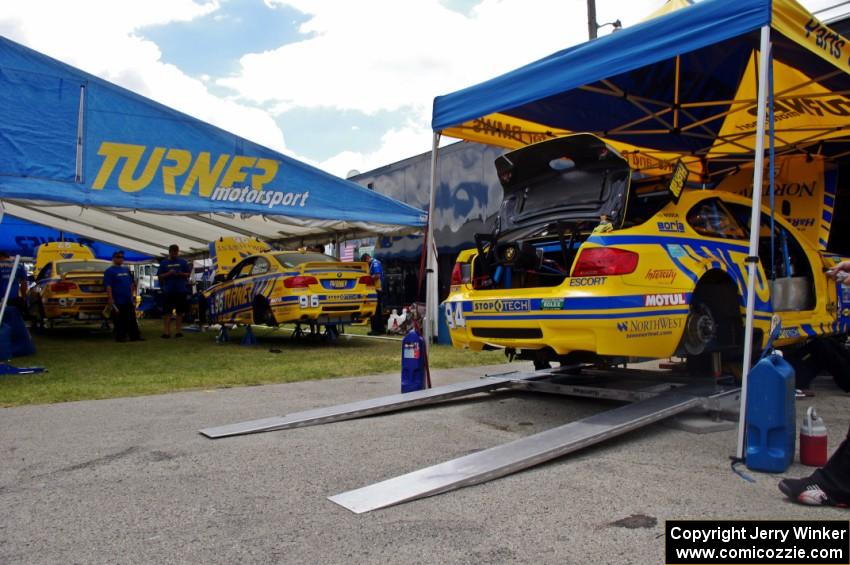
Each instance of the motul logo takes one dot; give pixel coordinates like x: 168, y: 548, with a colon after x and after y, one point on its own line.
x: 665, y: 300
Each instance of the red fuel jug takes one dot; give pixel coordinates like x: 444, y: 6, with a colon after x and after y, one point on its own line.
x: 813, y: 440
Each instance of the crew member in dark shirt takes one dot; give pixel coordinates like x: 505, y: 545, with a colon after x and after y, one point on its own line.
x: 121, y: 289
x: 173, y: 276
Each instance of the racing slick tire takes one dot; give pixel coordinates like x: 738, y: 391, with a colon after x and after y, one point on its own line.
x: 263, y: 315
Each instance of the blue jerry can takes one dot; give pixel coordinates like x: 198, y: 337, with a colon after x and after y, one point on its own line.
x: 771, y: 416
x: 412, y: 362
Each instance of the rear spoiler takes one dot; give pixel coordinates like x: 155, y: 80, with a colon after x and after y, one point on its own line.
x: 341, y: 266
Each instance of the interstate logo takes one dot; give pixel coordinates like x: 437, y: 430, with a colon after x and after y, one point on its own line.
x: 519, y: 305
x: 662, y: 276
x: 134, y: 168
x: 677, y: 299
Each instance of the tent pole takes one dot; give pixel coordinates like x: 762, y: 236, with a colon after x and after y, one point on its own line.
x: 755, y: 222
x: 431, y: 282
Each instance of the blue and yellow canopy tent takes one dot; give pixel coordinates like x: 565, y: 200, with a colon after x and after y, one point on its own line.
x: 85, y: 156
x: 697, y: 83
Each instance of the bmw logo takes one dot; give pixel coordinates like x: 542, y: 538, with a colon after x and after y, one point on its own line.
x: 339, y: 275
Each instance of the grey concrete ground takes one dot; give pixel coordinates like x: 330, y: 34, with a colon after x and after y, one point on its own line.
x: 131, y: 481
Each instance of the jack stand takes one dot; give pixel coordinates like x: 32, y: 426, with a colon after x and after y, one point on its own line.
x: 6, y: 369
x: 298, y: 333
x: 223, y: 335
x: 248, y: 338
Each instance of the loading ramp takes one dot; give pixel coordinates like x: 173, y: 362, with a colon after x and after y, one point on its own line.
x: 651, y: 396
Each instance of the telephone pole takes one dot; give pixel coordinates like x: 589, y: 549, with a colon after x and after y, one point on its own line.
x: 592, y: 27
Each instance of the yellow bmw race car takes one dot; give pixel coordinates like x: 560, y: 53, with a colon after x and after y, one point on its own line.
x: 279, y: 287
x: 68, y: 285
x: 589, y: 261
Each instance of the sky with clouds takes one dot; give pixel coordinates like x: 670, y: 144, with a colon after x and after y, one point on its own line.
x: 340, y: 84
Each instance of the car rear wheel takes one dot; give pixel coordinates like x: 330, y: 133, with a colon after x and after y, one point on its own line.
x: 263, y: 314
x: 713, y: 326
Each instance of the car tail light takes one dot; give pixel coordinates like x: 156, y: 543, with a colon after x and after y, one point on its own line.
x: 299, y: 282
x: 605, y: 261
x: 63, y: 287
x: 367, y: 280
x: 461, y: 274
x: 456, y: 276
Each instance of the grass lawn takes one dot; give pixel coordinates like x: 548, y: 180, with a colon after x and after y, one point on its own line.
x: 85, y: 363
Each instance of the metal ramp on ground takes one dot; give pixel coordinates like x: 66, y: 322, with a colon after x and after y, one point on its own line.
x: 648, y: 403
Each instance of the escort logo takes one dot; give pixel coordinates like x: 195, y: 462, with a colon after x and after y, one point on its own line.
x: 662, y: 276
x: 522, y: 305
x: 671, y: 227
x: 665, y: 300
x: 215, y: 181
x: 587, y: 281
x: 551, y: 303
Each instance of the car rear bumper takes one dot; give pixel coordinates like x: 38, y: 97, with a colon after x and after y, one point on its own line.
x: 534, y: 324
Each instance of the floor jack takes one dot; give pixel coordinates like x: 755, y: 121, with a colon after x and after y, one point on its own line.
x: 649, y: 396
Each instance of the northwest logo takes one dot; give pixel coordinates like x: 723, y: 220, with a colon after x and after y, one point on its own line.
x: 677, y: 299
x: 225, y: 178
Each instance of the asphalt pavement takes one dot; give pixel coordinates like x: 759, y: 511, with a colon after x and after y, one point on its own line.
x: 131, y: 481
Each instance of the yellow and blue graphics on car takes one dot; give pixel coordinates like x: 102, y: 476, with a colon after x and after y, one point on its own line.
x: 68, y: 284
x: 291, y: 286
x: 669, y: 277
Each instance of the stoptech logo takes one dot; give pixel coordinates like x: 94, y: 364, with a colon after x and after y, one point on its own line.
x: 522, y: 305
x: 677, y: 299
x: 182, y: 171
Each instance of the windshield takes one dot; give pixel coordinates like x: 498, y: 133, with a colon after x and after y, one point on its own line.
x: 295, y: 259
x: 65, y: 267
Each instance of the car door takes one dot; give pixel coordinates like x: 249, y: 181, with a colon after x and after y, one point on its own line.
x: 795, y: 275
x: 227, y: 301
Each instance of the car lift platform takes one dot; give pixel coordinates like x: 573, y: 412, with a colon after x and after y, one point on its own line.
x: 651, y: 396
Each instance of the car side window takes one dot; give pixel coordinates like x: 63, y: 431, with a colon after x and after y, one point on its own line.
x: 261, y: 267
x: 710, y: 218
x: 241, y: 270
x: 45, y: 272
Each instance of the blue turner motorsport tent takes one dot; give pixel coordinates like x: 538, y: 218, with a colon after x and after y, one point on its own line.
x: 83, y: 155
x: 715, y: 84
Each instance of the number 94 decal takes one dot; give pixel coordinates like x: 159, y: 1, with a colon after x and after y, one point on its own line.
x: 454, y: 315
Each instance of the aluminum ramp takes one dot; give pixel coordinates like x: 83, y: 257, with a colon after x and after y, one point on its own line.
x: 372, y: 406
x: 523, y: 453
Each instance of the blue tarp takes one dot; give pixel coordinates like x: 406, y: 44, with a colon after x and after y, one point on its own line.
x: 610, y: 85
x: 22, y: 237
x: 135, y: 153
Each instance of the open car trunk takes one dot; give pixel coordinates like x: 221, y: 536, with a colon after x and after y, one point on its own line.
x: 555, y: 194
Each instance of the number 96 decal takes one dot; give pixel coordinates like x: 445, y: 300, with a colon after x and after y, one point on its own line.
x: 308, y: 301
x: 454, y: 315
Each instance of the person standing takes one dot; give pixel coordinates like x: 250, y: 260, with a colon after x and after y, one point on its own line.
x: 173, y: 273
x: 828, y: 485
x: 121, y: 292
x: 376, y: 271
